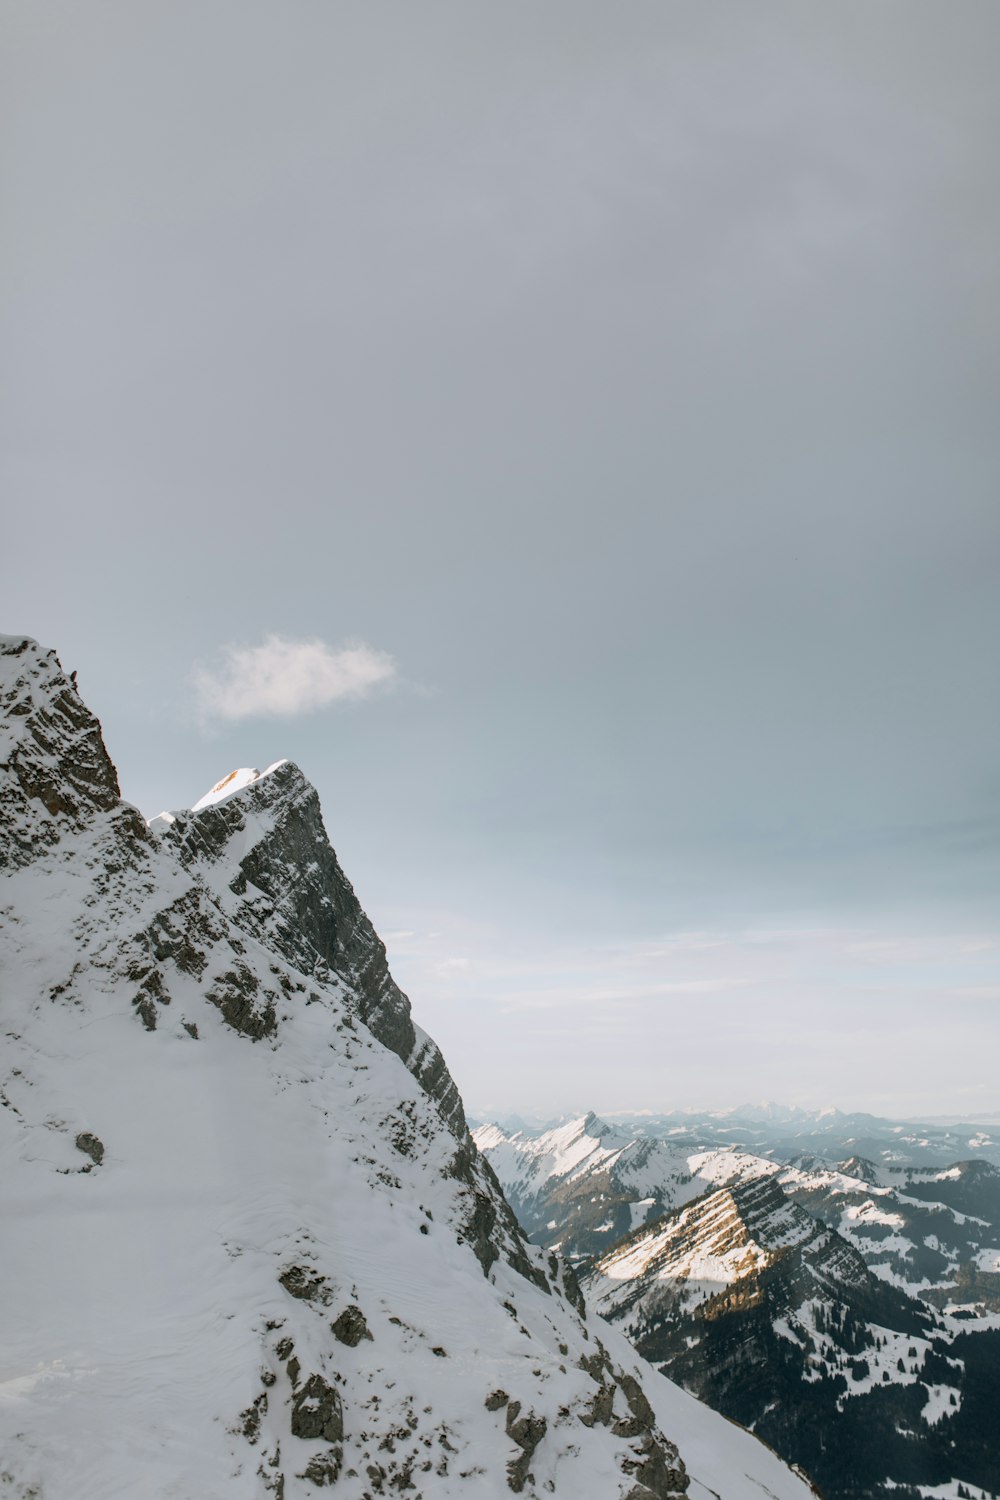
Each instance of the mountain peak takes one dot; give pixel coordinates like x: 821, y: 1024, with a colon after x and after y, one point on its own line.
x: 258, y: 841
x: 711, y: 1242
x: 236, y: 781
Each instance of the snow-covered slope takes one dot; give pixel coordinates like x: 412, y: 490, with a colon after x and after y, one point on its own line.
x: 249, y: 1248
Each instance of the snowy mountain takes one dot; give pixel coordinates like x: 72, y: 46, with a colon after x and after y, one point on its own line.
x: 906, y: 1224
x: 580, y: 1187
x: 776, y: 1320
x: 250, y: 1248
x: 843, y: 1311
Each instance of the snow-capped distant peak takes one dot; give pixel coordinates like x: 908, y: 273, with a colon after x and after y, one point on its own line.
x: 236, y: 781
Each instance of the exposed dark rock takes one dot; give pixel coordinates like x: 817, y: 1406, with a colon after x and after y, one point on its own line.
x: 490, y: 1223
x: 305, y: 1284
x: 629, y: 1427
x: 180, y: 933
x: 527, y: 1432
x: 250, y: 1419
x: 90, y: 1145
x: 658, y: 1470
x: 235, y: 994
x: 146, y: 1011
x: 401, y: 1128
x: 601, y: 1407
x: 595, y: 1364
x: 572, y: 1289
x: 271, y: 1476
x: 60, y: 773
x: 152, y: 992
x: 350, y: 1328
x: 636, y: 1398
x: 317, y: 1411
x: 324, y: 1468
x: 495, y: 1400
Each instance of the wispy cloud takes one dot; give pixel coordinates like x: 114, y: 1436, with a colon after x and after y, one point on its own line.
x: 283, y: 677
x: 454, y: 966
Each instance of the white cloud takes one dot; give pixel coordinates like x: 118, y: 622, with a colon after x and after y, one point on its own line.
x: 284, y: 677
x: 453, y: 966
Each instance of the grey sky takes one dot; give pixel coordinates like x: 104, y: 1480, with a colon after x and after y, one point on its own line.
x: 629, y: 375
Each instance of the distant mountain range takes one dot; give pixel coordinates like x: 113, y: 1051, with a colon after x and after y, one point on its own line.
x: 783, y: 1131
x: 846, y: 1311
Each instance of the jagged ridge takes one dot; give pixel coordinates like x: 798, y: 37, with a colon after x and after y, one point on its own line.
x: 265, y: 855
x: 57, y: 770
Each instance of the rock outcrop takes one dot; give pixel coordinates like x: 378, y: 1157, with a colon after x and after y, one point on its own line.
x: 56, y: 770
x: 265, y: 854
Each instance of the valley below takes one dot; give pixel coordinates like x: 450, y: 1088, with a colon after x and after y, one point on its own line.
x: 830, y: 1289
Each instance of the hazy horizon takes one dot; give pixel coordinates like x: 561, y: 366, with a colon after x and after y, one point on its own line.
x: 534, y: 1120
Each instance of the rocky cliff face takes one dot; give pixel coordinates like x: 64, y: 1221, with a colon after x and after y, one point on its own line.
x: 57, y: 771
x: 250, y: 1249
x: 265, y: 855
